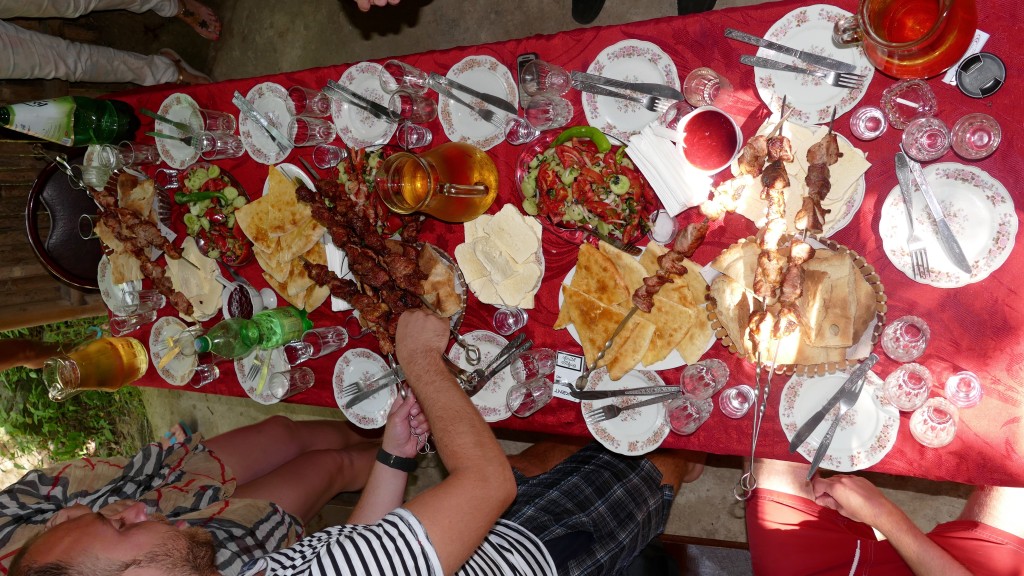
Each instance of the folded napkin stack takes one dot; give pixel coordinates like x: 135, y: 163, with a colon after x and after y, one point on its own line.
x: 678, y: 185
x: 337, y: 262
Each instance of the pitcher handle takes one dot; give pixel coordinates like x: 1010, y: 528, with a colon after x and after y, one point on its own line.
x: 847, y: 31
x: 465, y: 190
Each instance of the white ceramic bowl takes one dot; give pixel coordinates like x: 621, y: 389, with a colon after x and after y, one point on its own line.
x: 707, y: 131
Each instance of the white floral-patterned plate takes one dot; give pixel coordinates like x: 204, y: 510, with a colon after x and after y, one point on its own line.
x: 979, y: 211
x: 111, y: 293
x: 490, y: 400
x: 810, y: 29
x: 357, y: 127
x: 361, y: 365
x: 634, y: 432
x: 180, y: 108
x: 460, y: 123
x: 278, y: 363
x: 866, y: 432
x: 632, y: 61
x: 179, y: 369
x: 273, y: 102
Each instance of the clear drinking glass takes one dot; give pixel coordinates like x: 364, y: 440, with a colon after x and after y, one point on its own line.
x: 217, y: 120
x: 908, y: 386
x: 685, y: 415
x: 138, y: 154
x: 934, y: 424
x: 926, y: 139
x: 288, y: 383
x: 736, y: 401
x: 121, y: 325
x: 964, y: 389
x: 204, y: 374
x: 868, y: 123
x: 167, y: 179
x: 904, y: 101
x: 309, y: 102
x: 315, y: 343
x: 304, y: 131
x: 663, y: 227
x: 518, y: 130
x: 139, y: 301
x: 905, y: 339
x: 975, y: 136
x: 539, y: 76
x: 218, y: 145
x: 526, y: 398
x: 397, y: 75
x: 411, y: 135
x: 703, y: 86
x: 701, y: 380
x: 548, y: 111
x: 328, y: 156
x: 415, y: 108
x: 508, y: 320
x: 109, y: 157
x: 533, y: 364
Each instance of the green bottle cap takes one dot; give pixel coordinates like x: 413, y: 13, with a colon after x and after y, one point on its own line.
x: 202, y: 344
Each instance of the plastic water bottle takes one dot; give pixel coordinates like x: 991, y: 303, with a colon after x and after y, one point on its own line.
x: 72, y: 120
x: 231, y: 338
x: 278, y: 326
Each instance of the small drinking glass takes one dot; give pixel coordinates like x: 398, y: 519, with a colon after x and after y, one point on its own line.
x: 328, y: 156
x: 87, y: 226
x: 204, y: 374
x: 700, y: 381
x: 703, y: 86
x: 934, y: 424
x: 94, y: 176
x: 310, y: 131
x: 539, y: 76
x: 139, y: 301
x: 975, y: 136
x: 217, y: 120
x: 508, y: 320
x: 138, y: 154
x: 736, y: 401
x: 167, y: 179
x: 526, y: 398
x: 908, y: 386
x: 518, y: 130
x: 288, y: 383
x: 926, y: 139
x: 397, y: 75
x: 411, y: 135
x: 218, y: 145
x: 905, y: 339
x: 109, y: 157
x: 415, y: 108
x: 964, y: 389
x: 904, y: 101
x: 548, y: 111
x: 663, y: 227
x: 685, y: 415
x: 868, y: 123
x: 533, y: 364
x: 309, y: 102
x: 315, y: 343
x: 121, y: 325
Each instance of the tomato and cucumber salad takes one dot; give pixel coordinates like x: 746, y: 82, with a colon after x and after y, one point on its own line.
x: 582, y: 180
x: 212, y: 198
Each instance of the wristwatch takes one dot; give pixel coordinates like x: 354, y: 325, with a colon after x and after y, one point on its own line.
x: 407, y: 465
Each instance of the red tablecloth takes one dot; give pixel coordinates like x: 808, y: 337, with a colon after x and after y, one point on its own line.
x: 977, y: 327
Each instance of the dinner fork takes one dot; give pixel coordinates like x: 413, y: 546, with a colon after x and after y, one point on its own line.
x: 652, y: 103
x: 485, y: 114
x: 357, y: 387
x: 846, y: 80
x: 254, y: 368
x: 915, y: 243
x: 612, y: 411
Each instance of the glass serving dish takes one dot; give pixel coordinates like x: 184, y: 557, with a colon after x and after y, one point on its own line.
x: 214, y: 237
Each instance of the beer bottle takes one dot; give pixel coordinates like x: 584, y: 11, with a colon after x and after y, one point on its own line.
x: 103, y: 364
x: 72, y: 120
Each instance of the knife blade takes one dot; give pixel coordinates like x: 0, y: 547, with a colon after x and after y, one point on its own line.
x: 584, y: 86
x: 181, y: 126
x: 649, y: 88
x: 852, y: 394
x: 374, y: 386
x: 493, y: 100
x: 946, y: 237
x: 815, y: 59
x: 246, y: 107
x: 808, y: 427
x: 375, y: 109
x: 434, y: 83
x: 309, y: 168
x: 602, y: 394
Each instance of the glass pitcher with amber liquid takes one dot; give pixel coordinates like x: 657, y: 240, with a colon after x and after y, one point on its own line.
x: 105, y: 364
x: 910, y: 38
x: 454, y: 182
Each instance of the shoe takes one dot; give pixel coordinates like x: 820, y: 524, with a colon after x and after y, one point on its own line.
x: 186, y: 74
x: 586, y: 11
x: 188, y: 430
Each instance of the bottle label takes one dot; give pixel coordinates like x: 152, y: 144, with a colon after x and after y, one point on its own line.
x: 51, y: 120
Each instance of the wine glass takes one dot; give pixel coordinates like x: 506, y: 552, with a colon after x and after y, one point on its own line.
x: 906, y: 338
x: 701, y: 380
x: 908, y: 386
x: 934, y: 424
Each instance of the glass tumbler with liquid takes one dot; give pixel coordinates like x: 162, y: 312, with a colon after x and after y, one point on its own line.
x: 105, y: 364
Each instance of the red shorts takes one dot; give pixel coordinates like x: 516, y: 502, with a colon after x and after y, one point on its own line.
x: 790, y: 535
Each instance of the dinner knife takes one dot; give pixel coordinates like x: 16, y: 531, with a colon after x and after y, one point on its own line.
x: 649, y: 88
x: 493, y: 100
x: 374, y: 386
x: 309, y: 168
x: 649, y: 402
x: 375, y: 109
x: 246, y: 107
x: 853, y: 394
x: 815, y: 59
x: 503, y: 363
x: 808, y: 427
x: 435, y: 83
x: 602, y: 394
x: 907, y: 169
x: 181, y: 126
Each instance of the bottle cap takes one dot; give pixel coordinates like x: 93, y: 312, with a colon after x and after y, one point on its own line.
x: 980, y: 75
x: 202, y: 344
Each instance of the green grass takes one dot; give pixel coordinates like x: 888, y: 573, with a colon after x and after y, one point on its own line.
x: 91, y: 423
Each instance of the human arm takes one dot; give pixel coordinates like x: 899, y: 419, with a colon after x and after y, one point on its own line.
x: 365, y: 5
x: 859, y: 500
x: 385, y: 488
x: 458, y: 512
x: 27, y: 353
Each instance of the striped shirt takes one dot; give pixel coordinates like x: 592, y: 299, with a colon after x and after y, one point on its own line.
x: 399, y: 545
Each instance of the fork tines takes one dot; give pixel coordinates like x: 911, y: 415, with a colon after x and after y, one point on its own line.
x: 919, y: 260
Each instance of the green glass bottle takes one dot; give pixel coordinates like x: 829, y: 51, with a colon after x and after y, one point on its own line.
x: 231, y: 338
x: 72, y: 120
x: 279, y: 326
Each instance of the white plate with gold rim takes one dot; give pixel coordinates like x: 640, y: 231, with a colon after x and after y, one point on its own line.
x: 487, y: 75
x: 634, y: 432
x: 362, y: 365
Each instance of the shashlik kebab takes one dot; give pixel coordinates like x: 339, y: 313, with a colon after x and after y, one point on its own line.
x: 671, y: 263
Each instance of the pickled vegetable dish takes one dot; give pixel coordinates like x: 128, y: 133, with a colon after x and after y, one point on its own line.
x: 212, y: 198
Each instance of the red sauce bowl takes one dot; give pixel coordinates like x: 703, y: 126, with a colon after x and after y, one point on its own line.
x: 708, y: 139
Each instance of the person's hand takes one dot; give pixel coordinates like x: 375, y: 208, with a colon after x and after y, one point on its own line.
x: 406, y: 421
x: 853, y: 497
x: 365, y: 5
x: 420, y: 334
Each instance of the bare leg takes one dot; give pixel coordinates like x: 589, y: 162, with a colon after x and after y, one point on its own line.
x: 256, y: 450
x: 787, y: 477
x: 543, y: 456
x: 201, y: 18
x: 678, y: 467
x: 305, y: 484
x: 998, y: 507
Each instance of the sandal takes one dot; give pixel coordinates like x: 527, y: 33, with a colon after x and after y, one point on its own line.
x: 186, y: 74
x: 185, y: 427
x: 201, y: 18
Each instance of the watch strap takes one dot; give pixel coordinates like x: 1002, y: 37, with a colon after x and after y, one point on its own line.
x: 407, y: 465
